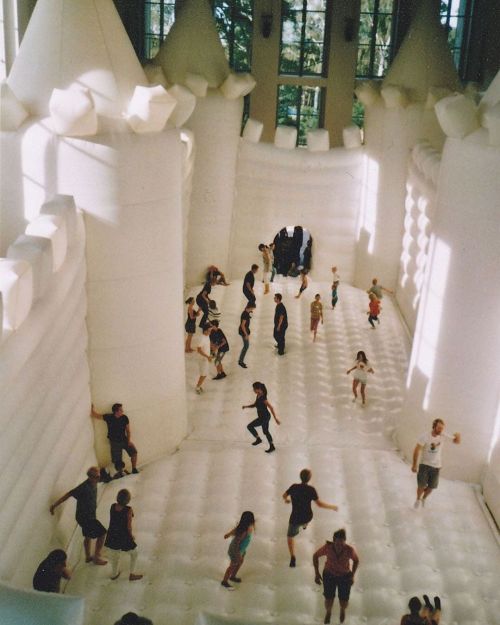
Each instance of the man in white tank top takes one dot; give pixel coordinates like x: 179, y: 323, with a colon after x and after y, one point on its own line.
x: 430, y: 446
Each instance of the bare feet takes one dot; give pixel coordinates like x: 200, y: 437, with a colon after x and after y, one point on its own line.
x: 133, y: 577
x: 99, y: 561
x: 89, y: 559
x: 116, y: 576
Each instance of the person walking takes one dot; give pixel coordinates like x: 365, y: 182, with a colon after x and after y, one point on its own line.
x: 337, y: 574
x: 263, y: 416
x: 50, y: 572
x: 361, y: 370
x: 374, y: 309
x: 266, y: 261
x: 203, y: 301
x: 378, y: 290
x: 280, y: 323
x: 244, y: 332
x: 120, y: 537
x: 301, y: 495
x: 303, y: 283
x: 119, y: 438
x: 190, y: 325
x: 218, y: 348
x: 316, y: 314
x: 86, y: 506
x: 242, y: 535
x: 335, y: 284
x: 429, y: 448
x: 204, y: 357
x: 248, y: 284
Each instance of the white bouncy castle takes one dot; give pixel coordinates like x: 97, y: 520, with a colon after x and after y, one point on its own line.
x: 120, y: 186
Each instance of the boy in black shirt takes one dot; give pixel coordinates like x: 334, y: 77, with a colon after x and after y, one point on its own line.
x: 302, y: 495
x: 280, y: 323
x: 244, y: 332
x: 119, y: 438
x: 248, y: 283
x: 219, y: 346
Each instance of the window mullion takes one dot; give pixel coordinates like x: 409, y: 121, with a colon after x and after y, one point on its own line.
x: 299, y: 106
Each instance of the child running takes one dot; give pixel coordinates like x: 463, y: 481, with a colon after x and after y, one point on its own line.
x: 242, y: 534
x: 190, y: 324
x: 263, y: 416
x: 361, y: 370
x: 120, y: 537
x: 316, y: 314
x: 374, y: 310
x: 304, y: 283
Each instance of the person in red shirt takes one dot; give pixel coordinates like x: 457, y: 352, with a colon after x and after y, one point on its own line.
x: 337, y: 573
x: 374, y: 311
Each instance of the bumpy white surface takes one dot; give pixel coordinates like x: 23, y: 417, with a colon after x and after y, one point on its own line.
x: 186, y: 502
x: 320, y: 191
x: 457, y: 115
x: 457, y: 335
x: 72, y: 112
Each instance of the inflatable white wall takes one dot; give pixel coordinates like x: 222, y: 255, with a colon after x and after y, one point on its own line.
x: 454, y: 368
x: 47, y: 439
x: 423, y: 173
x: 319, y: 191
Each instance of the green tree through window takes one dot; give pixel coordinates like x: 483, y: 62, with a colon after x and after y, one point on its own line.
x: 375, y: 46
x: 235, y: 26
x: 456, y: 17
x: 158, y: 20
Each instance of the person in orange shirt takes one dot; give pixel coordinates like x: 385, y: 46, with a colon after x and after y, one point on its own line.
x: 337, y: 573
x: 374, y: 311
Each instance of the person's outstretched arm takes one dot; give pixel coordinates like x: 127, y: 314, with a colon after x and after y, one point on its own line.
x: 59, y: 502
x: 416, y: 453
x: 323, y: 504
x: 94, y: 414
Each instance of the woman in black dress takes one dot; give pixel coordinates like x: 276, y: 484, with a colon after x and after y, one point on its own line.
x: 190, y: 324
x: 119, y: 537
x: 263, y: 415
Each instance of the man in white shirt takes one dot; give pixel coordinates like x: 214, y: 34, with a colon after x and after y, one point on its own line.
x: 430, y: 445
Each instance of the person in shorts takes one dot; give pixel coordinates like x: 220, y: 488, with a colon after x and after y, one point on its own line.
x: 86, y: 506
x: 218, y: 348
x: 316, y: 314
x: 119, y: 438
x: 301, y: 495
x: 338, y: 576
x: 429, y: 448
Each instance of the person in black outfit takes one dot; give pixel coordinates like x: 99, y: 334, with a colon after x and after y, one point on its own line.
x: 280, y: 323
x: 86, y: 506
x: 244, y: 332
x: 263, y: 416
x: 248, y: 283
x: 203, y: 301
x: 131, y: 618
x: 219, y: 347
x: 49, y: 572
x: 119, y: 438
x: 120, y: 537
x: 301, y: 495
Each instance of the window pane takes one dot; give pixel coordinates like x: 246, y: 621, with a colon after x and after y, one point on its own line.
x: 384, y: 26
x: 358, y: 113
x: 365, y: 28
x: 152, y: 44
x: 316, y: 5
x: 291, y: 29
x: 315, y: 27
x: 375, y: 33
x: 380, y: 61
x: 296, y: 5
x: 290, y: 59
x: 367, y: 6
x: 313, y: 56
x: 363, y: 64
x: 153, y: 18
x: 287, y: 105
x: 386, y: 6
x: 168, y: 17
x: 242, y: 47
x: 310, y: 110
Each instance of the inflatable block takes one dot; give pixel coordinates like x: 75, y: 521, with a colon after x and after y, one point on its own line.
x: 351, y: 135
x: 285, y: 137
x: 73, y: 112
x: 38, y: 253
x: 394, y: 96
x: 434, y: 95
x: 197, y: 84
x: 154, y: 74
x: 64, y: 206
x: 491, y: 119
x: 318, y: 140
x: 31, y: 607
x: 368, y: 92
x: 16, y: 286
x: 51, y: 227
x: 150, y: 108
x: 237, y: 86
x: 186, y: 103
x: 253, y: 130
x: 1, y: 316
x: 12, y: 111
x: 457, y: 116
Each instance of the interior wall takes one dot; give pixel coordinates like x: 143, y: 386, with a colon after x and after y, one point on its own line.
x: 319, y: 191
x: 47, y: 438
x: 454, y: 368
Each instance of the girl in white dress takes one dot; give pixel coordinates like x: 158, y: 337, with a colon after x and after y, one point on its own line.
x: 361, y: 370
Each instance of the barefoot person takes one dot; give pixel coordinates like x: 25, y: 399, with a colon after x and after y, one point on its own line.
x: 429, y: 446
x: 190, y: 325
x: 263, y: 416
x: 337, y: 573
x: 316, y: 314
x: 266, y: 261
x: 301, y: 495
x: 120, y: 537
x: 374, y: 309
x: 204, y: 357
x: 119, y: 438
x: 361, y: 370
x: 86, y: 506
x: 242, y: 535
x: 303, y: 283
